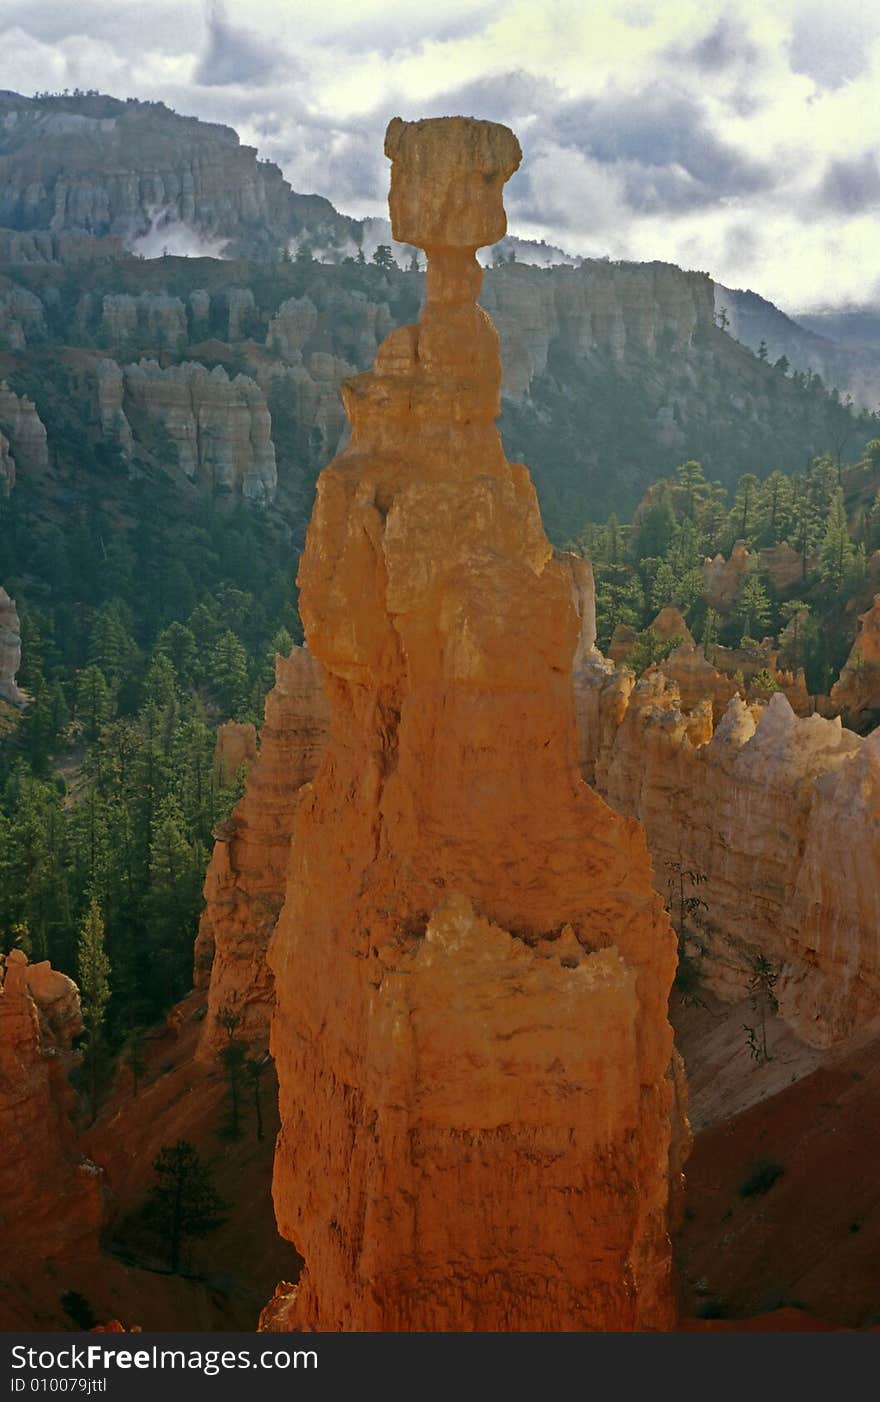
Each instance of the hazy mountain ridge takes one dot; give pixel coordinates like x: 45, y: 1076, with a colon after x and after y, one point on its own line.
x: 827, y: 344
x: 614, y: 372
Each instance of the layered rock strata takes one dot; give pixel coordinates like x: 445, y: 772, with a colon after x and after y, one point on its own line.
x: 10, y: 650
x: 219, y: 428
x: 471, y: 965
x: 856, y: 693
x: 24, y: 432
x: 780, y: 814
x: 50, y: 1196
x: 614, y: 309
x: 245, y: 881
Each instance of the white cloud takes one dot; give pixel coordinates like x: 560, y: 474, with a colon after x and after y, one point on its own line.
x: 730, y: 134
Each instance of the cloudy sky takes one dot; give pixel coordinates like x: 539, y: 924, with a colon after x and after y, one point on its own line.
x: 736, y: 136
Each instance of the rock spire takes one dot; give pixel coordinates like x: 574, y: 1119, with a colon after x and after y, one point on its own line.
x: 478, y: 1114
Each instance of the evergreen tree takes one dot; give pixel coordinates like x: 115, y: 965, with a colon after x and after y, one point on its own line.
x: 752, y: 606
x: 183, y: 1205
x: 93, y: 974
x: 837, y: 554
x: 744, y: 514
x: 94, y: 701
x: 229, y: 673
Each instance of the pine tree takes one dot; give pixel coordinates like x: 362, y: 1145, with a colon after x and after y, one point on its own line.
x: 752, y: 606
x: 182, y: 1205
x: 745, y: 505
x: 94, y: 701
x: 837, y: 554
x: 229, y: 673
x: 93, y: 974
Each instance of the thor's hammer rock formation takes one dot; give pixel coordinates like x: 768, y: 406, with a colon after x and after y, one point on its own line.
x: 479, y: 1121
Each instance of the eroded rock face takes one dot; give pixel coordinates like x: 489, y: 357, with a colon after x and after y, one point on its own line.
x: 779, y: 813
x: 608, y: 308
x: 220, y: 427
x: 22, y: 319
x: 23, y: 430
x: 245, y: 881
x: 50, y: 1196
x: 153, y: 318
x: 471, y: 966
x: 856, y: 693
x: 10, y: 650
x: 7, y: 467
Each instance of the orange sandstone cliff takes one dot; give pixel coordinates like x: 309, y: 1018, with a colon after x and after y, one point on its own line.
x: 781, y: 815
x: 245, y: 880
x: 856, y: 693
x: 50, y: 1195
x: 471, y: 965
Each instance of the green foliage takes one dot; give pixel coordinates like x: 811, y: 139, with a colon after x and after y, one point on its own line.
x: 648, y: 649
x: 764, y: 680
x: 384, y: 258
x: 93, y: 974
x: 762, y: 983
x: 752, y: 610
x: 183, y: 1205
x: 838, y: 556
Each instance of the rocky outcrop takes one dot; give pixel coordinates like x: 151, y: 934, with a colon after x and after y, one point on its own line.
x: 290, y: 328
x: 151, y: 319
x: 245, y: 882
x: 471, y: 966
x: 217, y: 428
x: 110, y: 394
x: 22, y: 319
x: 10, y: 650
x: 613, y: 309
x: 778, y: 813
x: 312, y: 393
x: 235, y: 749
x: 239, y: 306
x: 99, y: 166
x: 50, y: 1196
x: 7, y: 467
x: 856, y: 693
x: 20, y: 248
x: 723, y: 579
x: 25, y: 434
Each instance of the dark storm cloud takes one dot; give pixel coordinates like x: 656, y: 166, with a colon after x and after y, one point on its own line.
x: 663, y: 146
x: 174, y: 26
x: 400, y: 29
x: 831, y: 45
x: 499, y: 97
x: 235, y: 55
x: 851, y: 186
x: 726, y: 45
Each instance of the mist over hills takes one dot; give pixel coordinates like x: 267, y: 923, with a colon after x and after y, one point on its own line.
x: 133, y: 236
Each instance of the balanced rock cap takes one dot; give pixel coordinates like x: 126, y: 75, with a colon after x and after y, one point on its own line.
x: 447, y: 178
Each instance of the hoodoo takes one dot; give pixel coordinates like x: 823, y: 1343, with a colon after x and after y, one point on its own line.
x: 478, y: 1117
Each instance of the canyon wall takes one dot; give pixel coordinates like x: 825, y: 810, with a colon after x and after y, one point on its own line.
x: 245, y: 881
x: 777, y: 812
x: 10, y: 650
x: 471, y: 966
x: 100, y: 166
x: 218, y: 428
x: 599, y: 309
x: 24, y: 434
x: 50, y: 1196
x: 856, y: 693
